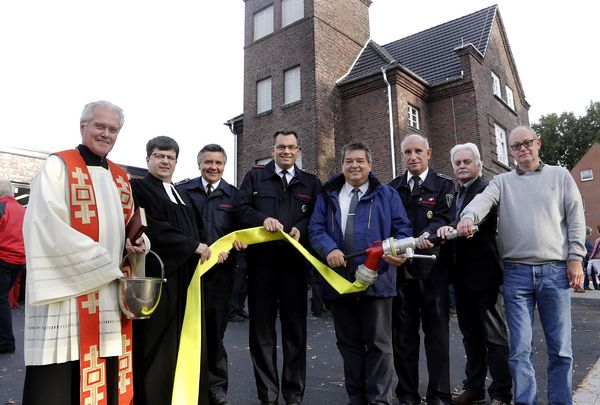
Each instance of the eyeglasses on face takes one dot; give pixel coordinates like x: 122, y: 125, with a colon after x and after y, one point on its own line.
x: 161, y: 156
x: 526, y: 143
x: 292, y: 148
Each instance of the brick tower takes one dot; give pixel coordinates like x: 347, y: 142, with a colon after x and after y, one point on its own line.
x: 294, y: 52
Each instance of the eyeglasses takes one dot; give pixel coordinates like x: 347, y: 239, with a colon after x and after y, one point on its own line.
x: 161, y: 156
x: 527, y: 143
x: 282, y: 148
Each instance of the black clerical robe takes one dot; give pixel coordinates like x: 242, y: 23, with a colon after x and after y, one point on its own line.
x: 174, y: 236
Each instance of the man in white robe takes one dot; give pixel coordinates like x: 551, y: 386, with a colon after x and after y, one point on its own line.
x: 64, y: 263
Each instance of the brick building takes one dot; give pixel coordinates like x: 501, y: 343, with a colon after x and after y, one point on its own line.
x: 310, y: 66
x: 587, y: 176
x: 20, y: 165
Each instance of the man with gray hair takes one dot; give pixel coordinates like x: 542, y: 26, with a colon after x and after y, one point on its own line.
x: 476, y: 272
x: 12, y: 258
x: 74, y: 231
x: 541, y: 232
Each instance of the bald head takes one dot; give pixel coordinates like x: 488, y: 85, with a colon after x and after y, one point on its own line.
x: 416, y: 153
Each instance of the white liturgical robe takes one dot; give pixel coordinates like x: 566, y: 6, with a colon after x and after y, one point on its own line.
x: 63, y: 263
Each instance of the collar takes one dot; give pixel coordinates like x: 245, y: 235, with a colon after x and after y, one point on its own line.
x: 347, y: 188
x: 215, y: 185
x: 278, y: 170
x: 521, y: 171
x: 469, y: 183
x: 423, y: 175
x: 90, y: 158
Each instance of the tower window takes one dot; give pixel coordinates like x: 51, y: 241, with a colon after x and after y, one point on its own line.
x: 263, y: 22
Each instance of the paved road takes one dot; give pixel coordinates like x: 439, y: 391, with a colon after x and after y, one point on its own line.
x: 325, y: 372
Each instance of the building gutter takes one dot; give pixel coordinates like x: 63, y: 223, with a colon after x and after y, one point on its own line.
x: 391, y: 118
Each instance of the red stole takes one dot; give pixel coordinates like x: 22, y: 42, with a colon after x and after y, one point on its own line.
x: 84, y: 218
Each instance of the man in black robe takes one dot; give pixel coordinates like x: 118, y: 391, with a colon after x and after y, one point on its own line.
x: 174, y: 236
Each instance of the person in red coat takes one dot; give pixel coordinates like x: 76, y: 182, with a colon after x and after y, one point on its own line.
x: 12, y: 258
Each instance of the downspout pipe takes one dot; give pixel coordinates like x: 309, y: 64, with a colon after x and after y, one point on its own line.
x: 390, y: 114
x: 235, y: 153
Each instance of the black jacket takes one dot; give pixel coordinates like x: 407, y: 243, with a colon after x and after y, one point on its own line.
x: 475, y: 262
x: 429, y: 208
x: 262, y: 196
x: 215, y: 213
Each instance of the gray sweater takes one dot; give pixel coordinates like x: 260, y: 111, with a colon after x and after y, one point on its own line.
x: 540, y: 215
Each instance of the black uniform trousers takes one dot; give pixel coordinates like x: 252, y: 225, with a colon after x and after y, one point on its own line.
x: 274, y: 286
x: 364, y: 339
x: 483, y: 326
x: 422, y: 302
x: 217, y: 285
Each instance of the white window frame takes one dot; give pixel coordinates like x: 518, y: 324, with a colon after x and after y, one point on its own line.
x: 496, y: 85
x: 501, y: 150
x: 510, y: 101
x: 292, y: 85
x: 291, y: 11
x: 263, y: 95
x: 413, y: 117
x: 586, y: 175
x: 263, y: 22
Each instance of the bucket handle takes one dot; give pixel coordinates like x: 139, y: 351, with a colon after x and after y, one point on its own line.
x: 162, y: 266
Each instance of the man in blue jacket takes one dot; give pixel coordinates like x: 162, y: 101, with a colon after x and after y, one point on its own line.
x: 353, y: 211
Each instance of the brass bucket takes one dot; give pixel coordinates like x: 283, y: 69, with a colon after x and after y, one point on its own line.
x: 139, y: 296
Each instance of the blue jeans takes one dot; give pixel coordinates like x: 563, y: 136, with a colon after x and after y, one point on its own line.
x: 546, y: 286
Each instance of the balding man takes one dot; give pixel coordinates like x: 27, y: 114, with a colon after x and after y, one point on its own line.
x: 422, y: 286
x: 541, y: 233
x: 476, y: 272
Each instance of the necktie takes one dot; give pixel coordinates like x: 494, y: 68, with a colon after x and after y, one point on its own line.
x: 416, y: 181
x: 349, y: 231
x: 284, y: 178
x: 208, y: 189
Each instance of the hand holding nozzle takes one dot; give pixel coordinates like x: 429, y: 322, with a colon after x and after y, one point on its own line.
x: 449, y: 233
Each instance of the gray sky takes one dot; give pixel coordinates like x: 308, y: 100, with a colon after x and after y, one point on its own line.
x: 153, y: 59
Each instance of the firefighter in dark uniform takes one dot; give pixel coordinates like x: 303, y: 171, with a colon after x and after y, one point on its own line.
x: 422, y: 298
x: 215, y: 202
x: 278, y: 196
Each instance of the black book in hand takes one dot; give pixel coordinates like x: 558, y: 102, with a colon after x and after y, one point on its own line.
x: 136, y: 225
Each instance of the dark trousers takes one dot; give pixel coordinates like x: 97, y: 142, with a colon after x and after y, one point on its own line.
x: 273, y: 287
x: 217, y: 285
x: 240, y: 287
x: 55, y: 384
x: 364, y: 339
x: 422, y: 302
x: 8, y: 274
x: 483, y: 326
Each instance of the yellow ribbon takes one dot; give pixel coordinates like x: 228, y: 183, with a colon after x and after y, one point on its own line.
x: 187, y: 373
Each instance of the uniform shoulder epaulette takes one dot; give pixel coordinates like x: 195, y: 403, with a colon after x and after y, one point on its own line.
x: 444, y: 176
x: 309, y: 172
x: 257, y: 166
x: 184, y: 181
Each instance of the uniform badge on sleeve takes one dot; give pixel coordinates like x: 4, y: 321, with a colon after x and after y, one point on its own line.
x: 429, y: 214
x: 304, y: 208
x: 449, y: 199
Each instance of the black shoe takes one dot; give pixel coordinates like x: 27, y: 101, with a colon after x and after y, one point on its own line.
x: 588, y: 288
x: 268, y: 403
x: 7, y: 349
x: 236, y: 318
x: 220, y: 401
x: 244, y: 314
